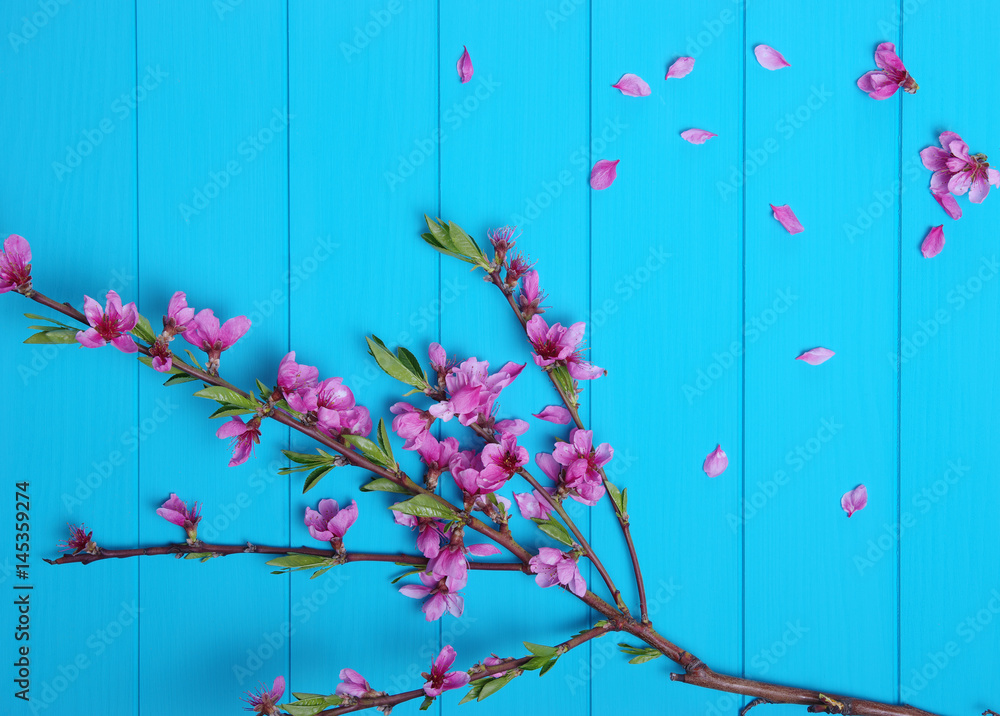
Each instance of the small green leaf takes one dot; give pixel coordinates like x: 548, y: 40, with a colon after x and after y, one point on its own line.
x: 310, y: 704
x: 265, y: 392
x: 144, y: 330
x: 314, y: 477
x: 304, y: 458
x: 554, y: 530
x: 226, y: 396
x: 404, y: 575
x: 549, y: 665
x: 643, y: 658
x: 53, y: 321
x: 178, y: 379
x: 494, y: 685
x: 565, y: 381
x: 539, y: 649
x: 475, y: 687
x: 57, y: 335
x: 227, y: 411
x: 410, y: 361
x: 369, y: 449
x: 616, y: 495
x: 383, y: 441
x: 392, y: 365
x: 301, y: 695
x: 536, y: 662
x: 424, y: 505
x: 203, y: 556
x: 383, y: 484
x: 426, y: 704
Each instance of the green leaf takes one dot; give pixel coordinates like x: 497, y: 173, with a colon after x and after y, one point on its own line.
x: 226, y: 396
x: 426, y: 704
x: 178, y: 379
x: 410, y: 361
x: 310, y: 704
x: 265, y: 392
x: 643, y: 658
x: 475, y: 687
x: 383, y: 484
x: 369, y: 449
x: 554, y: 530
x: 203, y: 556
x: 465, y: 244
x: 616, y: 495
x: 452, y: 240
x: 304, y: 458
x: 565, y: 381
x: 302, y: 695
x: 53, y: 321
x: 625, y: 500
x: 640, y: 654
x: 144, y: 330
x: 540, y: 650
x: 549, y: 665
x: 314, y: 477
x: 383, y: 441
x: 56, y: 335
x: 424, y: 506
x: 392, y: 365
x: 536, y: 662
x: 404, y: 575
x: 494, y: 685
x: 227, y: 411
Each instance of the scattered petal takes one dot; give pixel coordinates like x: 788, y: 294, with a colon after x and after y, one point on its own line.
x: 950, y: 206
x: 697, y: 136
x: 465, y: 65
x: 787, y: 217
x: 632, y: 86
x: 603, y: 174
x: 854, y: 500
x: 554, y: 414
x: 770, y: 58
x: 681, y: 68
x: 934, y: 242
x: 817, y: 356
x: 716, y: 463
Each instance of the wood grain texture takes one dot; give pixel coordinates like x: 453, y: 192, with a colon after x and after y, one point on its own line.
x: 274, y: 158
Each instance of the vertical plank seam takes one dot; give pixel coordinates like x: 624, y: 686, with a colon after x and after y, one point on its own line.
x: 590, y: 301
x: 899, y: 395
x: 138, y: 447
x: 440, y: 312
x: 288, y: 266
x: 743, y: 360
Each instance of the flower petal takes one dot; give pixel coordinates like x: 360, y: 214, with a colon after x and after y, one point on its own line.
x: 632, y: 86
x: 554, y: 414
x: 786, y: 216
x: 233, y: 329
x: 681, y: 68
x: 602, y: 176
x: 933, y: 242
x: 816, y: 356
x: 854, y: 500
x: 934, y: 159
x: 465, y: 65
x: 697, y: 136
x: 887, y: 59
x: 716, y: 462
x: 980, y: 188
x: 92, y: 309
x: 770, y: 58
x: 124, y: 343
x: 948, y: 203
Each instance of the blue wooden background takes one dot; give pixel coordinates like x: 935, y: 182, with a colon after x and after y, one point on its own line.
x: 274, y: 159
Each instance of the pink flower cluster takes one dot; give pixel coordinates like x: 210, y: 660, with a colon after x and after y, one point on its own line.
x: 574, y: 467
x: 329, y: 403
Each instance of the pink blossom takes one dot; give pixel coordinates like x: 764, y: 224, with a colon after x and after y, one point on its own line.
x: 554, y: 414
x: 439, y: 359
x: 716, y: 462
x: 604, y: 174
x: 450, y: 562
x: 430, y: 532
x: 933, y: 242
x: 438, y: 680
x: 815, y: 356
x: 411, y: 424
x: 244, y: 437
x: 465, y: 66
x: 264, y: 701
x: 112, y: 325
x: 331, y: 522
x: 177, y: 512
x: 179, y: 317
x: 557, y: 344
x: 632, y: 86
x: 553, y: 566
x: 336, y: 413
x: 15, y: 265
x: 353, y: 684
x: 891, y: 75
x: 501, y: 460
x: 854, y: 500
x: 494, y: 660
x: 958, y: 172
x: 443, y: 593
x: 582, y: 465
x: 472, y: 390
x: 205, y: 333
x: 769, y: 58
x: 681, y: 68
x: 298, y: 384
x: 530, y: 297
x: 79, y: 541
x: 437, y: 454
x: 532, y: 505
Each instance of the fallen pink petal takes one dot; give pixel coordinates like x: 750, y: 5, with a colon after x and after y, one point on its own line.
x: 681, y: 68
x: 554, y: 414
x: 716, y: 462
x: 854, y: 500
x: 697, y: 136
x: 770, y: 58
x: 465, y: 66
x: 603, y: 174
x: 949, y: 204
x: 816, y: 356
x: 787, y: 218
x: 632, y: 86
x: 933, y: 242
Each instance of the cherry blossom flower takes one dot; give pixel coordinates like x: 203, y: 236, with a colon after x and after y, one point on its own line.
x: 411, y: 424
x: 443, y: 593
x: 530, y: 297
x: 494, y: 660
x: 430, y: 532
x: 501, y: 460
x: 532, y: 505
x: 15, y: 265
x: 336, y: 412
x: 177, y: 512
x: 244, y: 437
x: 79, y: 541
x: 179, y: 317
x: 437, y: 454
x: 354, y: 684
x: 854, y: 500
x: 298, y: 384
x: 438, y: 680
x: 958, y: 172
x: 206, y: 333
x: 264, y: 701
x: 450, y: 562
x: 112, y: 325
x: 472, y: 390
x: 553, y: 566
x: 891, y: 75
x: 582, y: 464
x: 716, y: 462
x: 331, y: 522
x: 556, y: 344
